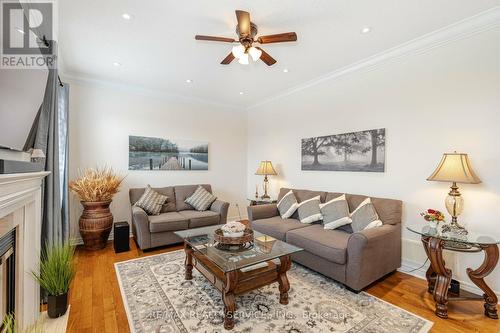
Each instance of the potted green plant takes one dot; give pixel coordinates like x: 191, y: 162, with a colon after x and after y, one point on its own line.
x: 9, y: 325
x: 55, y: 276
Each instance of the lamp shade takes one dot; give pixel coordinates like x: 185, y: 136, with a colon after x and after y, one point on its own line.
x: 455, y: 167
x: 266, y: 169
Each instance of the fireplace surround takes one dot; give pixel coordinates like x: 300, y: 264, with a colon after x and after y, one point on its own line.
x: 20, y: 228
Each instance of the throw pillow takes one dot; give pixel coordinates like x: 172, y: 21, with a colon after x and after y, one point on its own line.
x: 365, y: 216
x: 309, y: 211
x: 287, y: 205
x: 151, y: 201
x: 335, y: 213
x: 201, y: 199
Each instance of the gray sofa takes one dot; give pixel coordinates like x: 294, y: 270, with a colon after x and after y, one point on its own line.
x: 354, y: 259
x: 158, y: 230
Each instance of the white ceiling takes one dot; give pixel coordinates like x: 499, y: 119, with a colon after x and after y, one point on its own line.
x: 158, y: 52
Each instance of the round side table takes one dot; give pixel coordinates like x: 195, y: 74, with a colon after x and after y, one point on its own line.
x: 439, y: 277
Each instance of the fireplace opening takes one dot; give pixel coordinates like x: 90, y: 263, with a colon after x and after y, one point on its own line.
x: 7, y: 273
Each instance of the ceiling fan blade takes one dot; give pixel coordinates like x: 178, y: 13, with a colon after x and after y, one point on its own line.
x: 265, y: 57
x: 243, y: 22
x: 215, y: 39
x: 227, y: 60
x: 278, y: 38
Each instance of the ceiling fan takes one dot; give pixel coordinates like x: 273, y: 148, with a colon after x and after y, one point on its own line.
x: 246, y: 31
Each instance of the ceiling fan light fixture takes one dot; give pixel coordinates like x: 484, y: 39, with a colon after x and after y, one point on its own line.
x: 243, y: 59
x: 238, y: 51
x: 255, y: 53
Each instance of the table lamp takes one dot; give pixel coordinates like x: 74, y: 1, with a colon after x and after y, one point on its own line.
x: 455, y: 168
x: 266, y: 169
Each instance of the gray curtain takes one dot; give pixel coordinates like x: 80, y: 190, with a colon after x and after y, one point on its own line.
x: 49, y: 133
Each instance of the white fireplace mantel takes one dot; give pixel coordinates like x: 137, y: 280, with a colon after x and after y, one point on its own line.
x: 20, y: 208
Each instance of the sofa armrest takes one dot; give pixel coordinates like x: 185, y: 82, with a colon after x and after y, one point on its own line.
x: 140, y: 227
x: 259, y: 212
x: 371, y: 254
x: 222, y: 208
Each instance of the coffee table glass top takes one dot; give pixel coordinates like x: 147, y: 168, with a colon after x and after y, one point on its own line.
x: 264, y: 248
x: 471, y: 238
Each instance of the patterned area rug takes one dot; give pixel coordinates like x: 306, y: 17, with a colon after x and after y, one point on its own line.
x: 158, y: 299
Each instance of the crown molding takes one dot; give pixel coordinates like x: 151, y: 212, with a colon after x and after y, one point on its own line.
x: 465, y: 28
x: 82, y: 79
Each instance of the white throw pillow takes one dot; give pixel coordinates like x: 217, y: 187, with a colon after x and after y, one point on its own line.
x: 287, y: 205
x: 365, y: 217
x: 309, y: 211
x: 335, y: 213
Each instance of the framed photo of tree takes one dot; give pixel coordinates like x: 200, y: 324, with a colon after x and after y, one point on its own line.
x: 355, y: 151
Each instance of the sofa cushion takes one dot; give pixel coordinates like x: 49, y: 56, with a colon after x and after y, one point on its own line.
x: 168, y: 206
x: 151, y: 201
x: 182, y: 192
x: 201, y: 199
x: 276, y: 226
x: 201, y: 219
x: 388, y: 210
x: 171, y: 221
x: 328, y: 244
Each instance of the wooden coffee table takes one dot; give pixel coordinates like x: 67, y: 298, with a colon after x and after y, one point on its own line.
x: 239, y: 271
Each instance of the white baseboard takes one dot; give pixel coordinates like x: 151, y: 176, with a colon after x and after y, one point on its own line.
x: 79, y: 241
x: 414, y: 269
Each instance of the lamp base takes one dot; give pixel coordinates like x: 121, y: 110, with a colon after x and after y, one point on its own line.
x: 454, y: 229
x: 265, y: 196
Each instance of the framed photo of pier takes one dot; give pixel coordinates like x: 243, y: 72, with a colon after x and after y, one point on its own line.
x: 148, y: 153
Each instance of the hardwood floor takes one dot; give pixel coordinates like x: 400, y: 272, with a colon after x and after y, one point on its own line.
x: 96, y: 303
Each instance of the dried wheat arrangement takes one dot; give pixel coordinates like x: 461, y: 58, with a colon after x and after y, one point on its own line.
x: 96, y: 184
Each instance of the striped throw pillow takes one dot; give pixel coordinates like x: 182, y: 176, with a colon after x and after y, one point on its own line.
x: 287, y: 205
x: 365, y: 216
x: 151, y: 201
x: 201, y: 199
x: 309, y: 211
x: 335, y: 213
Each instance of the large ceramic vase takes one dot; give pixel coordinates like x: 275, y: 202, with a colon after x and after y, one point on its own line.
x: 95, y: 224
x: 57, y: 305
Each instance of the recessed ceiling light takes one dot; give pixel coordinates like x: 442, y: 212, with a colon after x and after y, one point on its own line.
x: 127, y: 16
x: 20, y: 31
x: 366, y: 30
x: 189, y: 81
x: 241, y: 92
x: 285, y: 70
x: 117, y: 64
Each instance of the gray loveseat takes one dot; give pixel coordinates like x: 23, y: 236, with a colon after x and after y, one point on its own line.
x: 158, y: 230
x: 354, y: 259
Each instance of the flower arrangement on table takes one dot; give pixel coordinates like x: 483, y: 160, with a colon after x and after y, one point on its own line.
x: 233, y: 229
x: 433, y: 216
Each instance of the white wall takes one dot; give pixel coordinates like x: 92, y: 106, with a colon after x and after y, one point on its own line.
x: 102, y: 117
x: 446, y: 99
